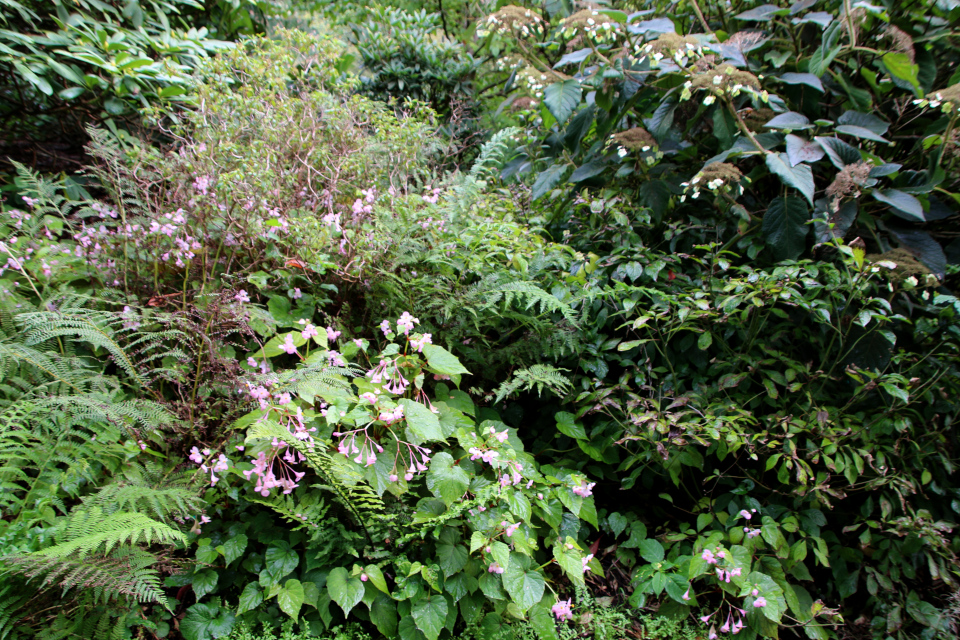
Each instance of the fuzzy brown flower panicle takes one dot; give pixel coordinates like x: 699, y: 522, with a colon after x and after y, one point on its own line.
x: 947, y: 100
x: 906, y: 263
x: 635, y: 139
x: 724, y: 171
x: 716, y: 177
x: 708, y: 61
x: 724, y: 78
x: 512, y: 19
x: 848, y: 182
x: 670, y: 43
x: 522, y: 103
x: 592, y: 23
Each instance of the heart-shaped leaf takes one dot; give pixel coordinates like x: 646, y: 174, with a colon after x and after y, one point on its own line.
x: 345, y: 590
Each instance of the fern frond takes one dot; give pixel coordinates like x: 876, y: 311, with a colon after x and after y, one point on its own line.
x: 125, y: 573
x: 494, y: 152
x: 538, y: 376
x: 91, y: 530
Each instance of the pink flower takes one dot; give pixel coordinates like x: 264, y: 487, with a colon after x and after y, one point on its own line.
x: 363, y: 577
x: 708, y: 556
x: 760, y: 602
x: 195, y: 455
x: 369, y: 397
x: 419, y: 343
x: 385, y: 327
x: 204, y: 519
x: 252, y: 362
x: 332, y: 335
x: 755, y: 593
x: 283, y: 398
x: 242, y: 296
x: 495, y: 568
x: 393, y: 477
x: 686, y: 594
x: 406, y: 322
x: 746, y: 514
x: 512, y: 528
x: 358, y: 342
x: 288, y: 345
x: 309, y: 331
x: 586, y: 562
x: 705, y: 619
x: 562, y: 610
x: 297, y: 294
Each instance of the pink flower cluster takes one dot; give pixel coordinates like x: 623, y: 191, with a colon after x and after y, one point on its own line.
x: 584, y: 489
x: 221, y: 464
x: 389, y: 371
x: 285, y: 477
x: 495, y: 568
x: 562, y: 610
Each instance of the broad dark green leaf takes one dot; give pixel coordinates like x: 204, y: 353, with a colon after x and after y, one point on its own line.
x: 561, y: 98
x: 902, y: 203
x: 800, y: 177
x: 784, y: 227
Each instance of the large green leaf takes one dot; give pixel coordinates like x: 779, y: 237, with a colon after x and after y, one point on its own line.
x: 901, y: 67
x: 430, y: 614
x: 204, y: 582
x: 207, y: 621
x: 291, y: 597
x: 799, y: 177
x: 452, y: 557
x: 548, y: 179
x: 442, y: 361
x: 542, y: 620
x: 784, y: 227
x: 421, y: 422
x: 651, y: 550
x: 902, y: 203
x: 383, y: 613
x: 345, y: 590
x: 445, y: 479
x: 233, y: 548
x: 281, y: 559
x: 561, y: 98
x: 525, y: 587
x: 250, y: 599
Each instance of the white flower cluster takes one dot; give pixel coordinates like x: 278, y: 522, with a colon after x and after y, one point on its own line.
x: 535, y: 84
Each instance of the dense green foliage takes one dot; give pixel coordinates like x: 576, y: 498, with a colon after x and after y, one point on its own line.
x: 546, y: 320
